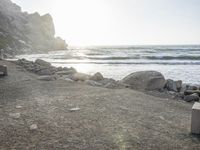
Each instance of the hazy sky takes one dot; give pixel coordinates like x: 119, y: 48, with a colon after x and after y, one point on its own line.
x: 120, y: 22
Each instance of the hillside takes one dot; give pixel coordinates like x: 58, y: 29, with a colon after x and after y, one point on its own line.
x: 22, y: 32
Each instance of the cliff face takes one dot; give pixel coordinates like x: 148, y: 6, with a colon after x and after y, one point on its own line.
x: 22, y: 32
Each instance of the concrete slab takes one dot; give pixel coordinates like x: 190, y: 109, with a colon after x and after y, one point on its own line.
x: 3, y: 70
x: 195, y: 121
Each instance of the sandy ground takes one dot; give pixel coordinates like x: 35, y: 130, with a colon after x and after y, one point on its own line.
x: 108, y: 119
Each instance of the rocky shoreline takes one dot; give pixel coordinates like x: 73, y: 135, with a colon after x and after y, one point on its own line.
x: 141, y: 81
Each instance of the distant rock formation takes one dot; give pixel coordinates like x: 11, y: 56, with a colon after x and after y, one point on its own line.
x: 22, y: 32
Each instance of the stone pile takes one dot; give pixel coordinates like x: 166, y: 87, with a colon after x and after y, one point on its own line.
x: 142, y: 80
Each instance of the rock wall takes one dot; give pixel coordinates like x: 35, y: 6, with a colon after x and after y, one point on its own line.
x: 22, y: 32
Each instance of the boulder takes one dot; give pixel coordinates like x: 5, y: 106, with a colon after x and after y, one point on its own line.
x: 66, y: 72
x: 179, y: 85
x: 178, y: 96
x: 93, y: 83
x: 47, y: 71
x: 3, y: 70
x: 43, y: 63
x: 97, y: 77
x: 145, y: 80
x: 80, y: 76
x: 171, y: 85
x: 191, y: 98
x: 192, y: 87
x: 47, y: 78
x: 189, y: 92
x: 69, y: 80
x: 112, y: 85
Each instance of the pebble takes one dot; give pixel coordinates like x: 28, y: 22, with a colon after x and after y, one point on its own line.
x: 75, y: 109
x: 18, y: 107
x: 33, y: 127
x: 15, y: 115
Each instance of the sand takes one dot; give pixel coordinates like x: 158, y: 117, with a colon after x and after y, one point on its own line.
x: 51, y: 115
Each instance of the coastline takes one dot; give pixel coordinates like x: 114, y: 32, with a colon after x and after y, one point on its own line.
x: 107, y: 118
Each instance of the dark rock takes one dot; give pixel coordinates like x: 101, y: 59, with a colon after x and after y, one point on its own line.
x: 47, y: 71
x: 3, y: 70
x: 97, y: 77
x: 93, y: 83
x: 171, y: 85
x: 179, y: 85
x: 47, y: 78
x: 59, y: 69
x: 192, y: 87
x: 179, y: 96
x: 183, y: 88
x: 43, y: 63
x: 66, y: 72
x: 191, y: 98
x: 189, y: 92
x: 145, y: 80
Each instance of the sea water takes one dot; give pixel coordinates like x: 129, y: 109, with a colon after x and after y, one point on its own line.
x: 175, y: 62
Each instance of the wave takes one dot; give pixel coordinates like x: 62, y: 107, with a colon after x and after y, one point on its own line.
x: 173, y: 57
x: 136, y: 63
x: 135, y: 57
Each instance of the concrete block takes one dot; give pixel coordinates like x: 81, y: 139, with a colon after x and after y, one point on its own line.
x: 3, y: 70
x: 195, y: 121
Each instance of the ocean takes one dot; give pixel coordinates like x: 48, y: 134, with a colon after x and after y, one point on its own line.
x: 174, y: 62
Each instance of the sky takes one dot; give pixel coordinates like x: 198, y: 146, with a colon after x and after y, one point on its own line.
x: 121, y: 22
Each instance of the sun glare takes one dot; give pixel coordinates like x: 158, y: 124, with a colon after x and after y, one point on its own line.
x: 89, y: 20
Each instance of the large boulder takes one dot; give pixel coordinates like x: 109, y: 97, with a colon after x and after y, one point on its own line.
x: 145, y: 80
x: 97, y: 77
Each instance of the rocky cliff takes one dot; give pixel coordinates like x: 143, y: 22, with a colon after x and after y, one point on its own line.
x: 22, y: 32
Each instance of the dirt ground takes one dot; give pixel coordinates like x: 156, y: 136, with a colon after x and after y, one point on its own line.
x: 108, y: 119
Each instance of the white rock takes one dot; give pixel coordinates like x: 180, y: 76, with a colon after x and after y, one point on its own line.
x: 33, y: 127
x: 75, y: 109
x: 69, y: 80
x: 18, y: 107
x: 15, y: 115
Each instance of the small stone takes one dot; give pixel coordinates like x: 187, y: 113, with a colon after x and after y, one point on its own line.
x: 15, y: 115
x: 93, y: 83
x: 33, y: 127
x: 18, y: 107
x: 69, y: 80
x: 75, y: 109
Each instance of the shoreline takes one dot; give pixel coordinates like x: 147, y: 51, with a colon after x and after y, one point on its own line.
x: 176, y: 89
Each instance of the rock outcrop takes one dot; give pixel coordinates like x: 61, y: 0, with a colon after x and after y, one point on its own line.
x: 145, y: 80
x: 22, y: 32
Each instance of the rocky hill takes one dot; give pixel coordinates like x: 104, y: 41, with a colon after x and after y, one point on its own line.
x: 22, y: 32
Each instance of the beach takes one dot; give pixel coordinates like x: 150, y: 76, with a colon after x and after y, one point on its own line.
x: 60, y: 114
x: 173, y: 61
